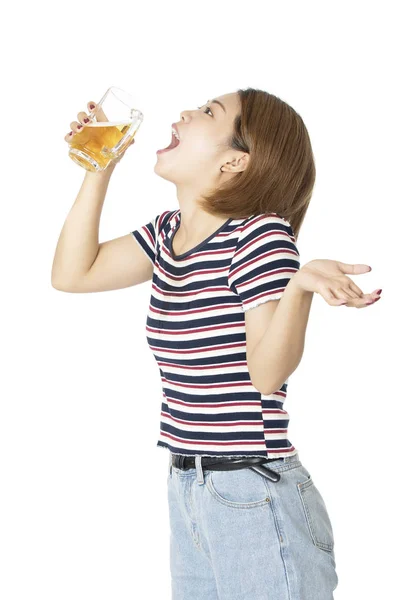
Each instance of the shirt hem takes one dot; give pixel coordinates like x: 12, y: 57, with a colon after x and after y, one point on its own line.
x: 263, y: 454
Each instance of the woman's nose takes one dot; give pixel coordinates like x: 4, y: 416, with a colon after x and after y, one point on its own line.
x: 186, y: 115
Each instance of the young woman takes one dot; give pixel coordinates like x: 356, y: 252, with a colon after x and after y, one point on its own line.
x: 226, y: 323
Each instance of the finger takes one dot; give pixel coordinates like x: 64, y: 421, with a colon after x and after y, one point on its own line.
x: 372, y: 296
x: 69, y: 136
x: 355, y: 289
x: 96, y: 111
x: 366, y: 300
x: 367, y: 297
x: 348, y: 292
x: 353, y: 269
x: 75, y: 128
x: 332, y: 299
x: 340, y: 297
x: 84, y: 118
x: 374, y: 301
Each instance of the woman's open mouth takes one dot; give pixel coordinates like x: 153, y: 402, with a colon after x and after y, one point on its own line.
x: 174, y: 143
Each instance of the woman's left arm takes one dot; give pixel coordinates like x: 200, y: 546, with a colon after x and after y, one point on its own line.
x: 278, y: 353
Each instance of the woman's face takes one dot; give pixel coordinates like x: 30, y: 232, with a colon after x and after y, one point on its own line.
x: 202, y: 149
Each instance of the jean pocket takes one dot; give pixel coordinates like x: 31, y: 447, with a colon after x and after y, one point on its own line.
x: 240, y: 488
x: 316, y: 514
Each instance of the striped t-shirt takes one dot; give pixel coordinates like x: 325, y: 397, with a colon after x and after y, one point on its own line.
x: 196, y: 330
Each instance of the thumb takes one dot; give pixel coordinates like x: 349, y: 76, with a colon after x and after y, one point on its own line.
x: 354, y: 269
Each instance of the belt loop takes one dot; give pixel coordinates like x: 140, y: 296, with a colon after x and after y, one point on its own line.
x: 199, y: 470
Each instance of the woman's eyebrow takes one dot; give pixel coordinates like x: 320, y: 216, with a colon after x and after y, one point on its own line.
x: 218, y: 102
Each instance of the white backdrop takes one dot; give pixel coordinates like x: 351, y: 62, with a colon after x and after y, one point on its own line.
x: 83, y: 487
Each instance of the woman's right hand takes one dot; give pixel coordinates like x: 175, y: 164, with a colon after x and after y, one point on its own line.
x: 83, y: 120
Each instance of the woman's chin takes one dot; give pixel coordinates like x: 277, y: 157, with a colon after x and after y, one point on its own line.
x: 165, y: 171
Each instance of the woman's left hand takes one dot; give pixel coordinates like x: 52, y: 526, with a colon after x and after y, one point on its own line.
x: 329, y: 279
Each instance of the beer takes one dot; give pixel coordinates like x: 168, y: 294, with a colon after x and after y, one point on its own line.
x: 91, y: 147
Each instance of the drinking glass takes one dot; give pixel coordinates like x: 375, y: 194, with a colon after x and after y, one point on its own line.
x: 106, y: 138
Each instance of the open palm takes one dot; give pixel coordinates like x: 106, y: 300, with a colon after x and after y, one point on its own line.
x: 329, y: 278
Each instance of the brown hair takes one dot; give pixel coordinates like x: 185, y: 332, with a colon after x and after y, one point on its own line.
x: 280, y: 174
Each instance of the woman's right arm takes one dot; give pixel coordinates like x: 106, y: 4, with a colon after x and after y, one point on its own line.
x: 80, y: 263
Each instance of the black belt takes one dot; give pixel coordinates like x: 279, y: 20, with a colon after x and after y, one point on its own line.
x: 223, y: 463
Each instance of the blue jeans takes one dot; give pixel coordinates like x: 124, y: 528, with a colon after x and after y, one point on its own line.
x: 235, y: 535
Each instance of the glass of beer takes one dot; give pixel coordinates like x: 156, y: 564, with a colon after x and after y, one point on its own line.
x: 103, y: 140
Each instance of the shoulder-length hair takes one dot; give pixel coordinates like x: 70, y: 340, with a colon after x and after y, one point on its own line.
x: 280, y: 174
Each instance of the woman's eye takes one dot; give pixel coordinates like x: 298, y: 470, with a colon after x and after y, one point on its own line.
x: 206, y: 108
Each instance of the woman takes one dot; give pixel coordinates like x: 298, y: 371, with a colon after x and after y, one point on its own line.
x: 226, y: 323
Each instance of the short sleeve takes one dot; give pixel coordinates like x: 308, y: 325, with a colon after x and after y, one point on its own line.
x: 147, y: 235
x: 265, y: 259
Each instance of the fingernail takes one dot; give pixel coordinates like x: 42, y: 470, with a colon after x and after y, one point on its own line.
x: 379, y: 291
x: 86, y: 120
x: 79, y: 126
x: 370, y: 268
x: 373, y: 301
x: 70, y: 133
x: 91, y: 106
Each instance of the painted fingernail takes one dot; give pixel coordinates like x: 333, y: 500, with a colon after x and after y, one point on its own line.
x: 70, y: 133
x: 379, y: 292
x: 92, y: 106
x: 79, y: 126
x: 373, y: 301
x: 86, y: 120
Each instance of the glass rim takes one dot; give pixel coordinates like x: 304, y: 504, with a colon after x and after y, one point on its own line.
x: 125, y: 94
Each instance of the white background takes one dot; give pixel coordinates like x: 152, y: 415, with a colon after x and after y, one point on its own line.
x: 83, y: 487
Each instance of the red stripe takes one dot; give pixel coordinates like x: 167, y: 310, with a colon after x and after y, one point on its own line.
x: 148, y: 234
x: 260, y: 260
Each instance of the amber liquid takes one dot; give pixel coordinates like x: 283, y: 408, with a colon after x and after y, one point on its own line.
x: 92, y: 145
